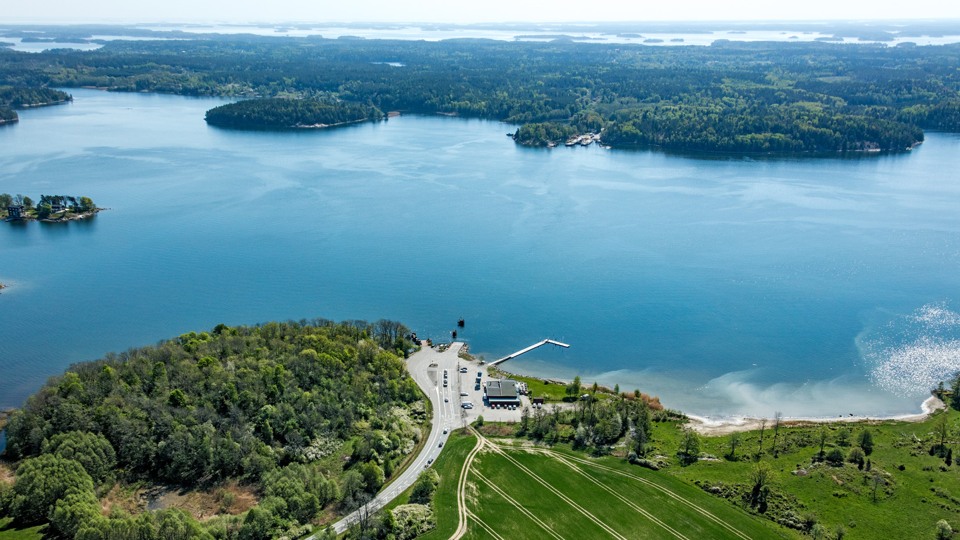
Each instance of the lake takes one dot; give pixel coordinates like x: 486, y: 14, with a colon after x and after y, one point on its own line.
x: 727, y: 286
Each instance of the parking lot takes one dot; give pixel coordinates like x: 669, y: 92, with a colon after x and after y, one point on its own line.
x: 462, y: 387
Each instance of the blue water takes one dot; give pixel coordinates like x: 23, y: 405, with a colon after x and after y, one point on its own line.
x: 815, y: 287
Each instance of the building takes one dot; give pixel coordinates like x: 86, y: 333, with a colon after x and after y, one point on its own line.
x: 502, y: 392
x: 16, y: 211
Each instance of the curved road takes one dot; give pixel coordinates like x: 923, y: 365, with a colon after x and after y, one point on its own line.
x: 426, y: 366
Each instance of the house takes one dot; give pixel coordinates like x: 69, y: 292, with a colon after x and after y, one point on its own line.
x: 16, y: 211
x: 56, y: 208
x: 502, y: 392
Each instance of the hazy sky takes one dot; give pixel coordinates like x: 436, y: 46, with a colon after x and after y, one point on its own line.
x: 459, y: 11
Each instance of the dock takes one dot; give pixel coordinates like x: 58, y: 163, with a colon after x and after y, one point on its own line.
x: 528, y: 349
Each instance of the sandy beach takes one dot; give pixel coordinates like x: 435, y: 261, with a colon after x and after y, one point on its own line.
x: 724, y: 426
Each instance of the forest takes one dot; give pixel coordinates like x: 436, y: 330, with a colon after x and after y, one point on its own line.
x: 285, y: 113
x: 317, y: 415
x: 728, y: 97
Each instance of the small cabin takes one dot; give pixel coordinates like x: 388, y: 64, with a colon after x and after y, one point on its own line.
x: 16, y: 211
x: 56, y: 208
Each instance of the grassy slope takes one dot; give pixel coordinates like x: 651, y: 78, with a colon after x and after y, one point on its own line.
x: 907, y: 507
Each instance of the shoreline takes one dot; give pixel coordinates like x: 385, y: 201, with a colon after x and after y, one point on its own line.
x: 725, y: 425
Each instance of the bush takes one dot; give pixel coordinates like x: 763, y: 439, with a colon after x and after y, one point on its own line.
x: 412, y: 520
x: 835, y: 457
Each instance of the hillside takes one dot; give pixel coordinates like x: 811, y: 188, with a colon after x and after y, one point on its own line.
x: 313, y: 416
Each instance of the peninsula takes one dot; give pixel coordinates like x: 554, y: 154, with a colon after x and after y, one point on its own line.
x: 23, y: 97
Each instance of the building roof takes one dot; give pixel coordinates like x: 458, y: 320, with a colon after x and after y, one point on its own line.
x: 502, y: 389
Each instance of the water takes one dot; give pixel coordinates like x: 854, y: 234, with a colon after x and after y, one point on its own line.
x: 815, y: 287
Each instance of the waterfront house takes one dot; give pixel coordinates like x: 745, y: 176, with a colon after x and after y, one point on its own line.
x: 16, y: 211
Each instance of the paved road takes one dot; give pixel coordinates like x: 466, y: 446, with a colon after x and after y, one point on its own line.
x: 426, y: 366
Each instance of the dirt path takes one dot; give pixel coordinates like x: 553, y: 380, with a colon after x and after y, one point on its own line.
x: 702, y: 511
x: 462, y: 490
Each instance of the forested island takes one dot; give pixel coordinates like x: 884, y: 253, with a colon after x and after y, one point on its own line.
x: 22, y: 97
x: 49, y: 208
x: 287, y: 113
x: 737, y: 97
x: 302, y: 417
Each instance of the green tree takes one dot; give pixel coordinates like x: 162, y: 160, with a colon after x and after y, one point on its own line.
x: 573, y: 389
x: 373, y: 476
x: 78, y: 509
x: 865, y: 440
x: 41, y: 482
x: 91, y: 450
x: 424, y: 487
x: 734, y: 443
x: 760, y: 486
x: 689, y: 451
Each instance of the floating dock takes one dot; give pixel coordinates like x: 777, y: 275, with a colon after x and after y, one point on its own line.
x: 528, y: 349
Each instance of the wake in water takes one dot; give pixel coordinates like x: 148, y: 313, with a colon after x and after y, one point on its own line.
x: 910, y: 354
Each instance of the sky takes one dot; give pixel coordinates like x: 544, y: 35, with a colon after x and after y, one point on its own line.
x: 460, y: 11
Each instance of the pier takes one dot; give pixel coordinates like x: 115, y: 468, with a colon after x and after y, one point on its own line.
x: 528, y: 349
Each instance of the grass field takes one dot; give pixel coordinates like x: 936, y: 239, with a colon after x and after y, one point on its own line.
x: 527, y: 492
x: 518, y: 489
x: 914, y: 490
x: 9, y: 533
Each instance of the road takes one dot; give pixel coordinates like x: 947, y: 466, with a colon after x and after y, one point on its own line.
x: 426, y: 366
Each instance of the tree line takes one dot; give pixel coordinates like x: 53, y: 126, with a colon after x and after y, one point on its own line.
x: 317, y: 415
x: 728, y: 97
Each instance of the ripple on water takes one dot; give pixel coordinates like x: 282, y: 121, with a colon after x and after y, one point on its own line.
x: 911, y: 354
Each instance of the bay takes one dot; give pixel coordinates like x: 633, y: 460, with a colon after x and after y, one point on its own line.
x: 727, y: 286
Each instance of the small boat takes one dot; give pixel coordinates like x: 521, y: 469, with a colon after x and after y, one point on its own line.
x: 460, y: 322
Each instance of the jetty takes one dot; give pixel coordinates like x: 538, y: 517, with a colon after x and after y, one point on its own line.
x: 528, y: 349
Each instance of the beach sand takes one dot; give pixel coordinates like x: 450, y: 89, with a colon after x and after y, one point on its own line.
x: 725, y: 426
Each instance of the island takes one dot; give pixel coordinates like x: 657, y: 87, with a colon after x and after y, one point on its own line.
x: 48, y: 209
x: 285, y: 113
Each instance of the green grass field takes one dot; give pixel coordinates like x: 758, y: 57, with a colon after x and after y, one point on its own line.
x: 519, y: 493
x: 914, y: 492
x: 7, y: 532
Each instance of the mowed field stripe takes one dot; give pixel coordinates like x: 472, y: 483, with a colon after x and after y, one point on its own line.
x: 623, y: 499
x: 559, y: 493
x: 533, y: 517
x: 702, y: 511
x: 484, y: 526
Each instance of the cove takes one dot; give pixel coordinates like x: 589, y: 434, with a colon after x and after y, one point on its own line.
x: 727, y: 286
